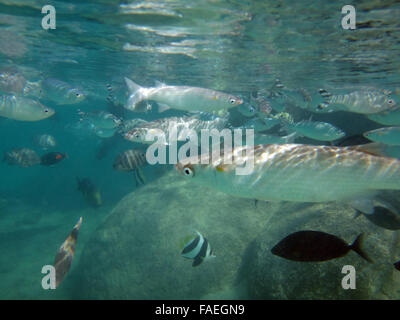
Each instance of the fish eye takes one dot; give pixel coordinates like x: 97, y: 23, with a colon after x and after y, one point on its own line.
x: 46, y: 110
x: 232, y: 100
x: 390, y: 101
x: 188, y: 172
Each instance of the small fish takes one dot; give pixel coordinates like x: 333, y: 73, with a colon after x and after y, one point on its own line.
x: 23, y: 157
x: 132, y: 160
x: 23, y: 109
x: 316, y: 246
x: 272, y: 139
x: 65, y: 254
x: 101, y: 119
x: 247, y: 110
x: 317, y: 130
x: 52, y: 158
x: 383, y: 215
x: 147, y: 132
x: 363, y: 101
x: 198, y: 249
x: 397, y: 265
x: 104, y: 133
x: 295, y: 172
x: 180, y: 97
x: 387, y: 135
x: 114, y: 106
x: 387, y: 118
x: 89, y: 191
x: 45, y: 141
x: 60, y: 92
x: 261, y: 124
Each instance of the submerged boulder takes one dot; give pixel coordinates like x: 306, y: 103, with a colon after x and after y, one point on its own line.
x: 136, y: 253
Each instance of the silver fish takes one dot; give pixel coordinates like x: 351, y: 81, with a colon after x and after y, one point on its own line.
x: 23, y: 109
x: 147, y: 132
x: 387, y: 135
x: 101, y: 119
x: 364, y: 102
x: 294, y: 172
x: 61, y: 92
x: 45, y: 141
x: 387, y: 118
x: 316, y: 130
x: 180, y: 97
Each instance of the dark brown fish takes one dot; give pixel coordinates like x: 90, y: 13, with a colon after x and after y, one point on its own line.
x: 23, y: 157
x: 316, y: 246
x: 397, y: 265
x: 65, y: 254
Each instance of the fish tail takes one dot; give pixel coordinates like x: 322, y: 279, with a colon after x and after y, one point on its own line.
x: 136, y: 94
x: 356, y: 246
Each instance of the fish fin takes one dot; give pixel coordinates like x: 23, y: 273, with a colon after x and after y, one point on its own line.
x: 291, y: 137
x: 163, y: 107
x: 141, y: 176
x: 136, y: 95
x: 132, y: 86
x: 159, y: 84
x: 374, y: 148
x: 356, y: 246
x: 197, y: 261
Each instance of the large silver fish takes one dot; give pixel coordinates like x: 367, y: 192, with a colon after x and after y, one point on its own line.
x: 294, y: 172
x: 180, y: 97
x: 148, y: 131
x: 23, y: 109
x: 61, y: 92
x: 364, y: 102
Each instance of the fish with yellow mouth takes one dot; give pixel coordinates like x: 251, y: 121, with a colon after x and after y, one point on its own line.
x: 296, y: 172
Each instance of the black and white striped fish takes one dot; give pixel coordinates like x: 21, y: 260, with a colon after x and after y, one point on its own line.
x: 132, y: 160
x: 198, y: 249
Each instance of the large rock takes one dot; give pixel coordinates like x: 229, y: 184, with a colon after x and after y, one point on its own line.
x: 135, y: 254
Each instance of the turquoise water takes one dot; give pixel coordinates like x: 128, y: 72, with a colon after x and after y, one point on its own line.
x: 238, y: 47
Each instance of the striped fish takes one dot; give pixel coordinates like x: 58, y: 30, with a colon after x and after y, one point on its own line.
x: 131, y: 160
x: 66, y: 253
x: 198, y: 249
x: 22, y: 157
x: 295, y: 172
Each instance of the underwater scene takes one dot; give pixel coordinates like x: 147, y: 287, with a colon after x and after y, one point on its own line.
x: 199, y: 149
